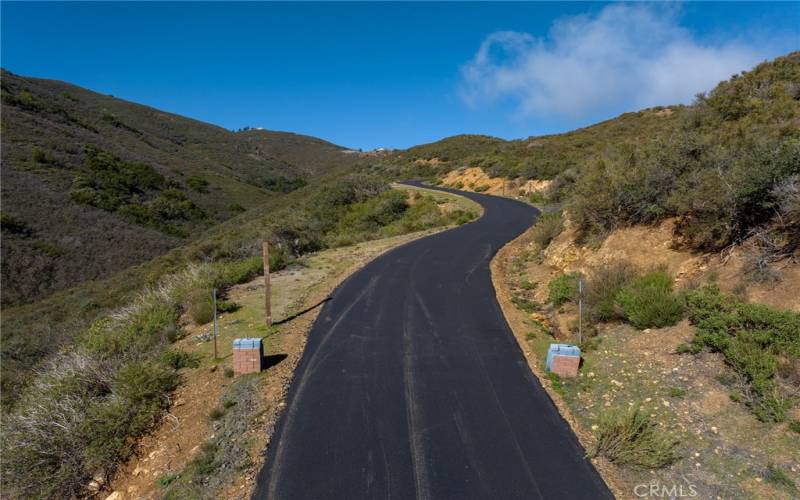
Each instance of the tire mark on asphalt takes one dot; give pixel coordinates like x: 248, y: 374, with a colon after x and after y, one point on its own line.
x: 506, y: 422
x: 484, y: 258
x: 419, y: 463
x: 469, y: 449
x: 303, y: 378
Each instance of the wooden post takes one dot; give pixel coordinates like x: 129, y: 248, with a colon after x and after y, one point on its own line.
x: 214, y: 305
x: 267, y: 304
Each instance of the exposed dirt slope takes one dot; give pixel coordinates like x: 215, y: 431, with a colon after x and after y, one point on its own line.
x: 726, y: 451
x: 476, y: 180
x: 652, y: 246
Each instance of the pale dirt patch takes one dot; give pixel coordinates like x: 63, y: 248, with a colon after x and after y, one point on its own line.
x: 475, y: 179
x: 447, y: 202
x: 648, y: 247
x: 664, y: 112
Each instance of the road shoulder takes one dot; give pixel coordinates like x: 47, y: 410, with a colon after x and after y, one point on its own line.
x: 517, y: 321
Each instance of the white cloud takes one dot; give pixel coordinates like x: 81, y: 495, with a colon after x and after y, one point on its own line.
x: 626, y: 57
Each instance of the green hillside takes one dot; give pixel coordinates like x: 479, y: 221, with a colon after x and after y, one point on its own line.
x: 92, y: 184
x: 117, y: 219
x: 541, y: 157
x: 727, y: 166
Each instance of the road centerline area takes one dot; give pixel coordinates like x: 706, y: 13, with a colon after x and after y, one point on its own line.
x: 420, y: 390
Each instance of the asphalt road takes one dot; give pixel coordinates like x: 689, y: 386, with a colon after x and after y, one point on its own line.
x: 413, y: 386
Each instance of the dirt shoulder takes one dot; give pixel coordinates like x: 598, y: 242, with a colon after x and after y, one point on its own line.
x: 212, y: 442
x: 725, y: 452
x: 520, y: 323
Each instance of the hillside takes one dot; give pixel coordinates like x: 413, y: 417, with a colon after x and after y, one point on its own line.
x: 727, y: 166
x: 673, y: 259
x: 118, y: 220
x: 541, y: 157
x: 92, y: 184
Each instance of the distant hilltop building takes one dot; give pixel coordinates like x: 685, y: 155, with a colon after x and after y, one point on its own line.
x: 378, y: 152
x: 374, y: 152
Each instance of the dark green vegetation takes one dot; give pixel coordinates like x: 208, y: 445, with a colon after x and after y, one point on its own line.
x: 648, y: 301
x: 728, y: 166
x: 548, y: 226
x: 92, y: 184
x: 604, y: 284
x: 83, y: 411
x: 563, y: 288
x: 629, y: 437
x: 94, y: 188
x: 775, y: 475
x: 136, y: 192
x: 618, y: 291
x: 761, y: 344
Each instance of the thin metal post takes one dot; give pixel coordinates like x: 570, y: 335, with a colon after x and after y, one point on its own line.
x: 267, y: 303
x: 214, y: 305
x: 580, y: 310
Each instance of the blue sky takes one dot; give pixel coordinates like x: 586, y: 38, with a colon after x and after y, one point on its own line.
x: 396, y: 74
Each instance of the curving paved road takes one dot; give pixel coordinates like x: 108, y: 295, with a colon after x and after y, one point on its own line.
x: 413, y: 386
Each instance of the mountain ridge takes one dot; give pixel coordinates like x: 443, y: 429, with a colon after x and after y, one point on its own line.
x: 68, y: 218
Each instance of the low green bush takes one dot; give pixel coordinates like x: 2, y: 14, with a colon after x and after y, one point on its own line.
x: 524, y: 303
x: 629, y: 437
x: 216, y: 413
x: 537, y: 198
x: 547, y: 227
x: 648, y: 301
x: 460, y: 217
x: 481, y: 188
x: 676, y: 392
x: 753, y: 338
x: 778, y: 477
x: 144, y: 381
x: 206, y: 461
x: 165, y: 480
x: 91, y: 403
x: 139, y: 391
x: 197, y: 183
x: 177, y: 359
x: 142, y: 331
x: 199, y: 306
x: 563, y: 289
x: 235, y: 208
x: 604, y: 284
x: 41, y: 157
x: 12, y: 225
